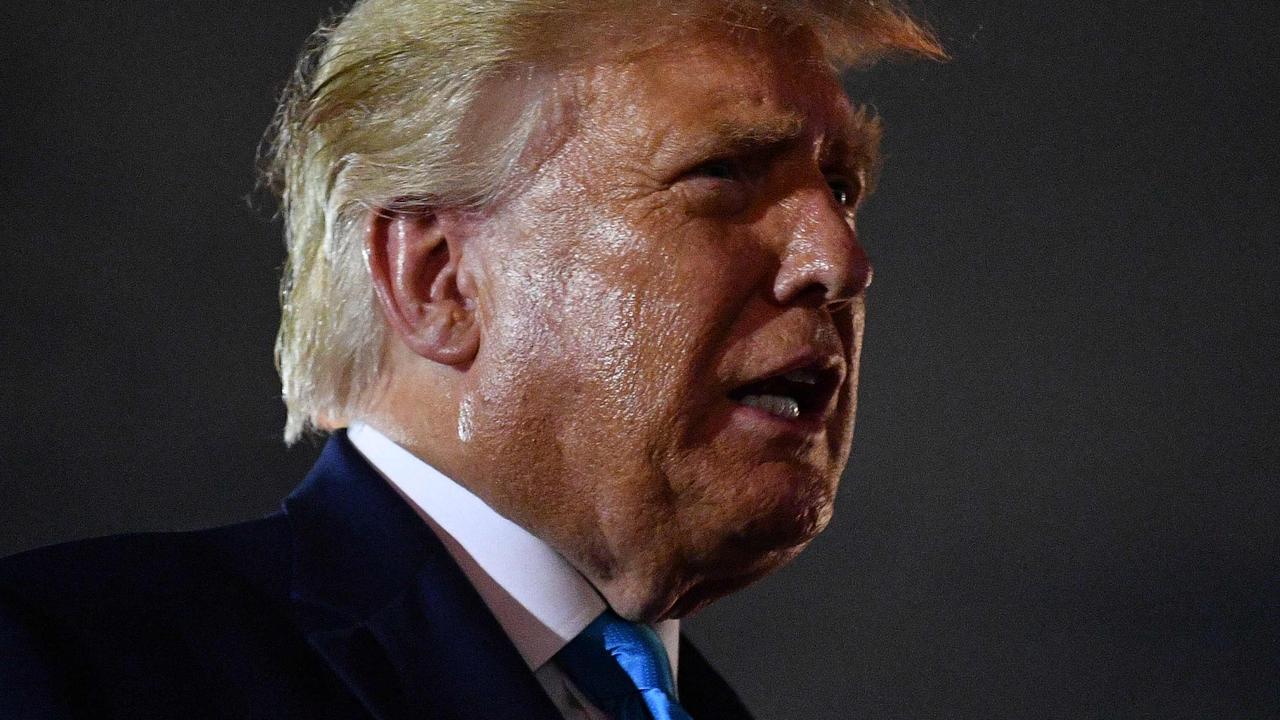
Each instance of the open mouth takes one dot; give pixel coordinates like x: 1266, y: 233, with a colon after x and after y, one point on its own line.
x: 804, y: 392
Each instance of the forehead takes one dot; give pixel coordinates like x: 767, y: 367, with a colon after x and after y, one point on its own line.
x: 722, y: 83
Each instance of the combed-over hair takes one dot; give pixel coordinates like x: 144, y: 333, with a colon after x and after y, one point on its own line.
x: 375, y: 113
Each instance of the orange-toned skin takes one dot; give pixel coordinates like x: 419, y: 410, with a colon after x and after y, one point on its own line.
x: 567, y: 354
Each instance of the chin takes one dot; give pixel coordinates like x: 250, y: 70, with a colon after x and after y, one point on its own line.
x: 756, y: 527
x: 787, y: 508
x: 704, y: 591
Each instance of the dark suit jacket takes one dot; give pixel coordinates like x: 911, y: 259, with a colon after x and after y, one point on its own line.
x: 343, y: 604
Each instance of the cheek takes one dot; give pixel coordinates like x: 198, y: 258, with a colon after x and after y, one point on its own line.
x: 609, y: 325
x: 571, y: 341
x: 519, y: 304
x: 604, y: 338
x: 644, y: 309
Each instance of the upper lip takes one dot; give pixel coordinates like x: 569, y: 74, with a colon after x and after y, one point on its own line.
x: 808, y: 360
x: 828, y: 370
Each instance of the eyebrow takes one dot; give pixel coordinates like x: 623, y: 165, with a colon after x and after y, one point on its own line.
x: 853, y: 146
x: 734, y: 136
x: 776, y: 130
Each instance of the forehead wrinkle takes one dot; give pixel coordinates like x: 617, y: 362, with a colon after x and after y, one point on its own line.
x: 738, y: 113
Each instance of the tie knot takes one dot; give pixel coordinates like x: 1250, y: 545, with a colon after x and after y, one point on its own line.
x: 637, y: 648
x: 623, y: 668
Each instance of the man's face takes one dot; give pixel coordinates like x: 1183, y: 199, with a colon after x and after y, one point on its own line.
x: 671, y: 314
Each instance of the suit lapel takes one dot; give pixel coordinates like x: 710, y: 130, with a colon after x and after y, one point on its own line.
x: 380, y: 599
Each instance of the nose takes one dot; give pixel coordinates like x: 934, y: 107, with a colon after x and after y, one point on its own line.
x: 822, y: 260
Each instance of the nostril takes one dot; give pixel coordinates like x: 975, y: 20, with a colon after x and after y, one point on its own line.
x: 814, y: 295
x: 823, y: 263
x: 842, y: 283
x: 821, y: 282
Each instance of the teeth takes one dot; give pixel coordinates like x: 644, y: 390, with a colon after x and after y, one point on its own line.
x: 808, y: 377
x: 780, y: 405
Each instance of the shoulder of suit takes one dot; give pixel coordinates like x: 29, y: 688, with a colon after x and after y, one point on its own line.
x: 117, y: 577
x: 160, y: 625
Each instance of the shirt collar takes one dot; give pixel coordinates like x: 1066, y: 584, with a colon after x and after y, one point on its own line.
x: 539, y: 599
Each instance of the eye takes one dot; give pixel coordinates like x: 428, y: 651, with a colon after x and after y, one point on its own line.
x: 718, y: 187
x: 845, y: 192
x: 719, y: 169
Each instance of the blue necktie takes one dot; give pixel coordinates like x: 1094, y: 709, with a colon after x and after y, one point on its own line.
x: 622, y: 668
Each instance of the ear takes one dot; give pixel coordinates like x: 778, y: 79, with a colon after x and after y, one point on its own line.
x: 414, y: 264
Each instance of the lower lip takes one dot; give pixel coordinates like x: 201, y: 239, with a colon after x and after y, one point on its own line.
x: 805, y: 424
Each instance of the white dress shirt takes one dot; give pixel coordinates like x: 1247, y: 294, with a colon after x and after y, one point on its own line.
x: 538, y: 598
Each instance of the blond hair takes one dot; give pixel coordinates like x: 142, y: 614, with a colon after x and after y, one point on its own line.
x: 381, y: 109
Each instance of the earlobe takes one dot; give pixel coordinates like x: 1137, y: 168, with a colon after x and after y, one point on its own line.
x: 414, y: 266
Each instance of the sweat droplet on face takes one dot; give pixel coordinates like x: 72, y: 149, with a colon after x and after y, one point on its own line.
x: 464, y: 420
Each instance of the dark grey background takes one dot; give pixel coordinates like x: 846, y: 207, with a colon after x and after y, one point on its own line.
x: 1062, y: 501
